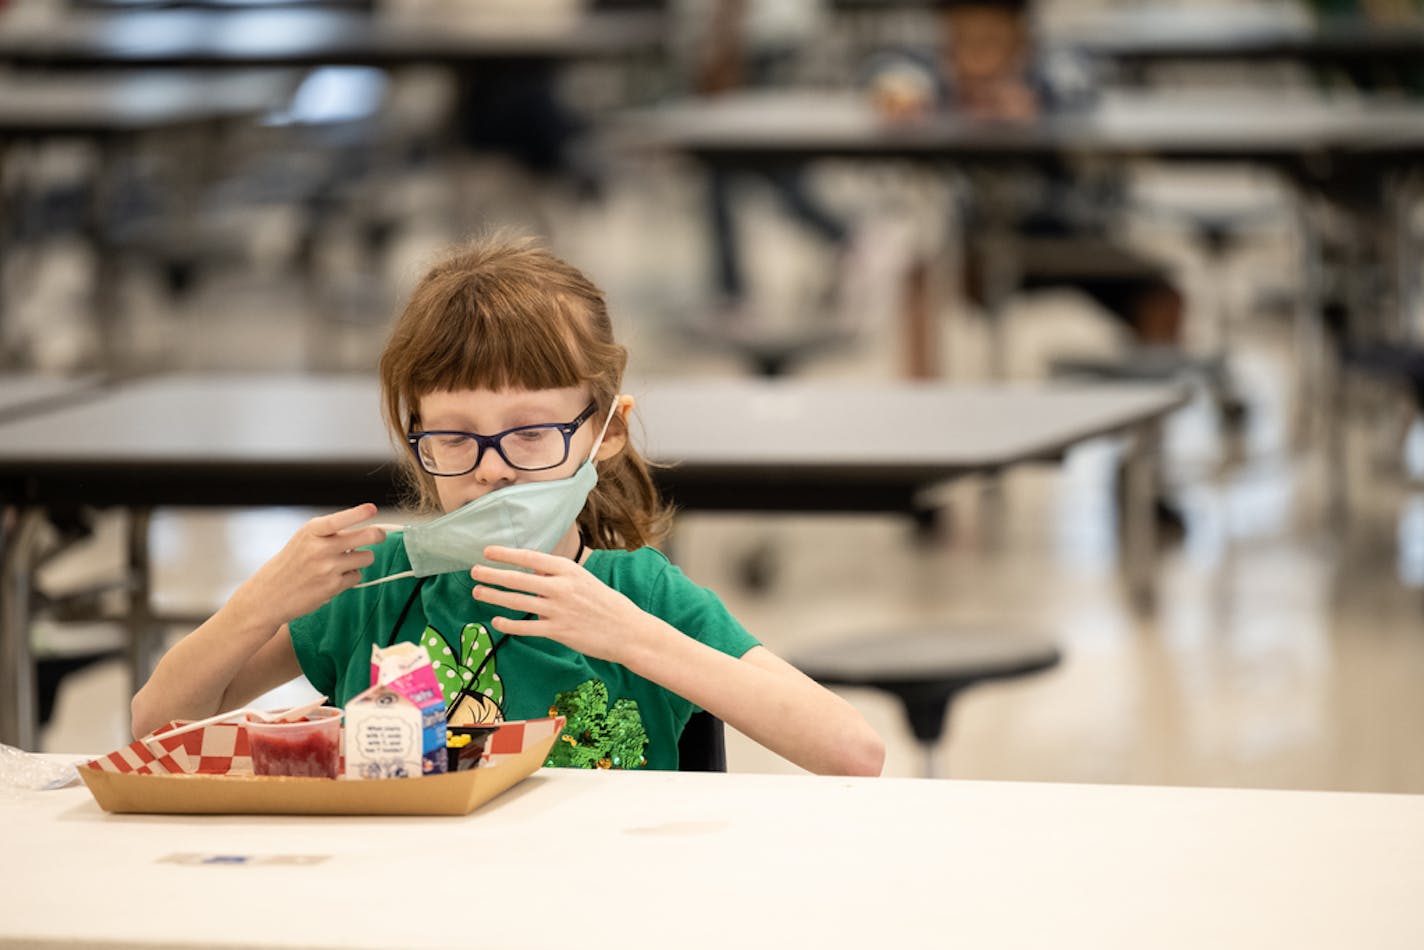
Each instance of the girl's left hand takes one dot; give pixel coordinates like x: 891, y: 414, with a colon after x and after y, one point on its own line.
x: 571, y: 605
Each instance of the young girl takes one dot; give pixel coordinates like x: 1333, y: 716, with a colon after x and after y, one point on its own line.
x: 502, y: 377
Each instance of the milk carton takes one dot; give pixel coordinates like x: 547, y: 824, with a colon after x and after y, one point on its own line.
x: 396, y: 729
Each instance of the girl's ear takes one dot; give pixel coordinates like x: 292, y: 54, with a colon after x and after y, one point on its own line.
x: 617, y: 437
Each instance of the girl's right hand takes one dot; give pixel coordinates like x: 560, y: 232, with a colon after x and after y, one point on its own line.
x: 320, y: 561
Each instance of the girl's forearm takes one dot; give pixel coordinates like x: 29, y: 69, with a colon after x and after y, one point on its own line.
x: 194, y: 677
x: 762, y: 697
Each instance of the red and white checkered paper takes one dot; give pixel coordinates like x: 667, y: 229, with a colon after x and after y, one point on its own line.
x: 222, y: 749
x: 219, y: 749
x: 512, y: 738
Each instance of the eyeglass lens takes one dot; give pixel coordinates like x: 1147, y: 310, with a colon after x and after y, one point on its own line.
x: 534, y: 447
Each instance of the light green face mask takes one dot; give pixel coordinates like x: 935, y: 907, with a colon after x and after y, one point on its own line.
x: 531, y: 515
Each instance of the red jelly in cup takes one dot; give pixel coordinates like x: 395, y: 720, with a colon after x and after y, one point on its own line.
x: 308, y: 748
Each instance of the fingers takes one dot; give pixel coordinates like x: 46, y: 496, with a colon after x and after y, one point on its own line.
x: 533, y: 560
x: 362, y: 537
x: 514, y: 600
x: 514, y: 580
x: 325, y: 525
x: 518, y: 628
x: 358, y: 559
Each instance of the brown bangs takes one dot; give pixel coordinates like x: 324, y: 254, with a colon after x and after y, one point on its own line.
x: 498, y: 315
x: 493, y: 340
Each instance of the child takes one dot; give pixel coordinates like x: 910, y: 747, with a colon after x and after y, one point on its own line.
x: 505, y: 340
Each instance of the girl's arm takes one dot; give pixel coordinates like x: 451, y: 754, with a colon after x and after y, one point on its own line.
x: 213, y: 669
x: 245, y: 649
x: 764, y: 698
x: 759, y: 695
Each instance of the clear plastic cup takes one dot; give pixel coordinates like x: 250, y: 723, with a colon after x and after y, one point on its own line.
x: 309, y: 748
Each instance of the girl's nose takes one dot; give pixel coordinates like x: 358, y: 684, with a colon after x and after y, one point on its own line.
x: 492, y: 469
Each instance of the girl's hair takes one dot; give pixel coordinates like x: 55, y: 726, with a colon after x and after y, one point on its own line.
x: 501, y: 312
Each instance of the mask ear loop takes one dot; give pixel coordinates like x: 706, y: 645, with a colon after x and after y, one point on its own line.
x: 618, y: 401
x: 384, y: 580
x: 389, y: 529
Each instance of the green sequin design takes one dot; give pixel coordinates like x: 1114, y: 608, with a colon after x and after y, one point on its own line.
x: 454, y: 675
x: 596, y: 736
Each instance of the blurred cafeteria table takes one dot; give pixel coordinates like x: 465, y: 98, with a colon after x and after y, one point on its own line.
x: 222, y: 5
x: 1304, y: 135
x: 111, y: 113
x: 1151, y: 35
x: 736, y: 445
x: 788, y: 860
x: 23, y: 393
x: 455, y: 35
x: 1344, y: 154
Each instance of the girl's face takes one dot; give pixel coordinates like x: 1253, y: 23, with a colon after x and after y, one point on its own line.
x: 489, y: 412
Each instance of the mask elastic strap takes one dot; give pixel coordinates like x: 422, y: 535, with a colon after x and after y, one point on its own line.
x: 383, y: 580
x: 598, y: 443
x: 389, y: 529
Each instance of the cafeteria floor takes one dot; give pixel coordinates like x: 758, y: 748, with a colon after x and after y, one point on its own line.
x: 1286, y: 651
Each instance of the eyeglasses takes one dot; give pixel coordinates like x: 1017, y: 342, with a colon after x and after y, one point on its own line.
x: 448, y: 452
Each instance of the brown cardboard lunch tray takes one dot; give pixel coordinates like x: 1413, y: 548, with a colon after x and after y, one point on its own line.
x: 189, y: 781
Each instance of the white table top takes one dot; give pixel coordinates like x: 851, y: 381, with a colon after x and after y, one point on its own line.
x: 839, y: 424
x: 591, y: 860
x: 107, y: 104
x: 805, y: 124
x: 19, y: 391
x: 336, y: 419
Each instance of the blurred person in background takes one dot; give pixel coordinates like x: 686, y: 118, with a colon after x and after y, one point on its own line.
x: 987, y: 66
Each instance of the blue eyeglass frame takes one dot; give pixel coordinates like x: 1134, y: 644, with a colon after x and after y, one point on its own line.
x: 493, y: 442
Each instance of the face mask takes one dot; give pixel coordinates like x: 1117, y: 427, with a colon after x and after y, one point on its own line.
x: 530, y: 515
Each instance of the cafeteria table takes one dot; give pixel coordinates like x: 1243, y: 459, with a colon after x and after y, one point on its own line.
x: 594, y: 859
x: 729, y: 445
x: 23, y: 393
x: 1158, y: 34
x: 1348, y: 154
x: 112, y: 113
x: 453, y: 35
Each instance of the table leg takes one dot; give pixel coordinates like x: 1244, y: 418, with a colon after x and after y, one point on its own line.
x: 1311, y: 354
x: 8, y: 345
x: 18, y: 726
x: 1139, y: 534
x: 920, y: 316
x: 105, y: 308
x: 144, y: 639
x: 1001, y: 278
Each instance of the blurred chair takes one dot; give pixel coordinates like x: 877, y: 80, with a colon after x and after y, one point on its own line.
x: 1122, y: 283
x: 927, y: 668
x: 703, y: 745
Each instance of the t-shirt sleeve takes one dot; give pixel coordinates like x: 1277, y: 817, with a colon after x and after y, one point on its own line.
x: 695, y: 610
x: 311, y: 634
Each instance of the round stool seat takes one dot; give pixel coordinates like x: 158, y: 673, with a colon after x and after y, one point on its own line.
x: 926, y: 668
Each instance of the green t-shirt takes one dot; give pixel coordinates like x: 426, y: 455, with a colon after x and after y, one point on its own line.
x: 616, y: 718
